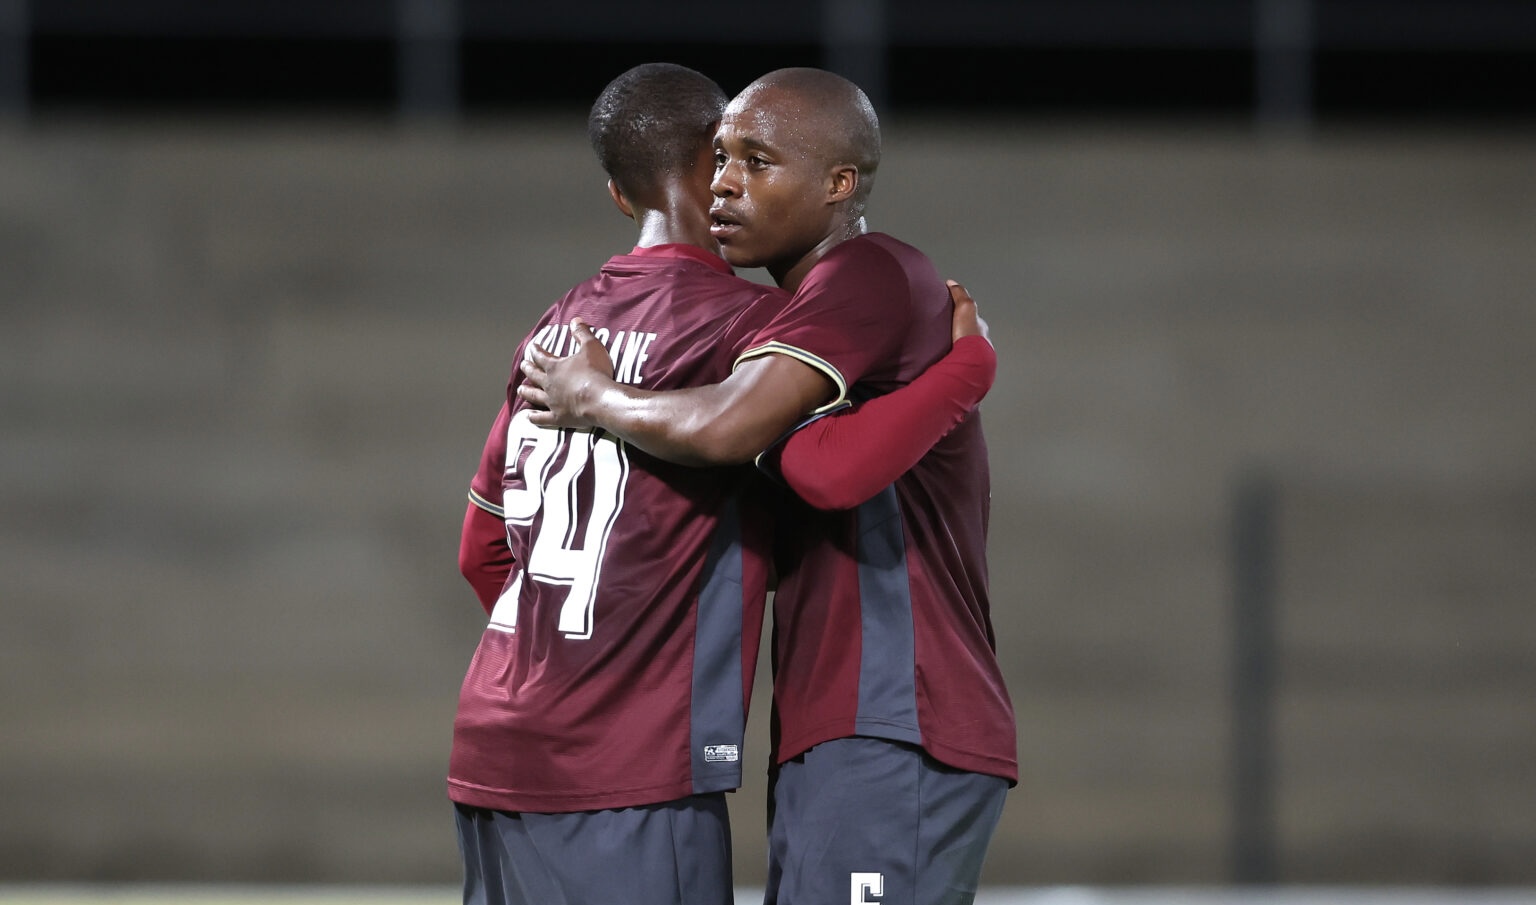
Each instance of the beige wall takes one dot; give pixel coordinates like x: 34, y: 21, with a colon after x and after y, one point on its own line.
x: 245, y: 370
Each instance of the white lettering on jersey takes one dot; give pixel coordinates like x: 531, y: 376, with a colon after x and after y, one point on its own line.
x: 627, y: 366
x: 553, y: 338
x: 627, y: 349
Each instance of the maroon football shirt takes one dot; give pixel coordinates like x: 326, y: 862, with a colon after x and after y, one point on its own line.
x: 882, y: 618
x: 618, y: 662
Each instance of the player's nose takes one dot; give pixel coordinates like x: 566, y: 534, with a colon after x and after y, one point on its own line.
x: 725, y: 184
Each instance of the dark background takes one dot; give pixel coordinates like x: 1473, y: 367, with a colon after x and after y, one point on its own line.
x: 1412, y: 60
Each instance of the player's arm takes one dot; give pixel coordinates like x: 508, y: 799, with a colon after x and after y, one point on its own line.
x: 841, y: 460
x: 834, y: 462
x: 719, y: 424
x: 485, y: 558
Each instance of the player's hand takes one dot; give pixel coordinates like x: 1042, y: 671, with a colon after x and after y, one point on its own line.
x: 966, y: 322
x: 562, y: 387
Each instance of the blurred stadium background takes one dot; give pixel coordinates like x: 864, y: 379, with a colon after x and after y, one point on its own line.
x: 1263, y: 279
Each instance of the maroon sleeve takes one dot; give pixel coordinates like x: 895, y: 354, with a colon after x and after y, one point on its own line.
x: 485, y: 486
x: 843, y: 459
x: 485, y: 560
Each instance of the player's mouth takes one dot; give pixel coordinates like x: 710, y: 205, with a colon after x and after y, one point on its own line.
x: 724, y: 224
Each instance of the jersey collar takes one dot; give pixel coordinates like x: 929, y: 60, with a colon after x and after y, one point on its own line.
x: 682, y: 250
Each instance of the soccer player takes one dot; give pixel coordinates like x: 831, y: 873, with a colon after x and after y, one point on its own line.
x: 894, y: 733
x: 601, y: 719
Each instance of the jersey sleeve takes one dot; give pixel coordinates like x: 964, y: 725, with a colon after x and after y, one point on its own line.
x: 485, y: 486
x: 746, y: 329
x: 849, y: 317
x: 485, y: 558
x: 840, y: 460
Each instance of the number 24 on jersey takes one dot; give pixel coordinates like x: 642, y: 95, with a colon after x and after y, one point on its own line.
x: 562, y: 490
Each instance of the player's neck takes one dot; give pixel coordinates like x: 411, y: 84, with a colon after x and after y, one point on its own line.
x: 664, y: 228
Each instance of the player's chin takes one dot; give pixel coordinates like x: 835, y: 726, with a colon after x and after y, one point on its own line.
x: 738, y: 255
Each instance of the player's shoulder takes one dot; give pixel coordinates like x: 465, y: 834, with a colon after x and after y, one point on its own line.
x: 873, y: 251
x: 879, y: 244
x: 875, y: 262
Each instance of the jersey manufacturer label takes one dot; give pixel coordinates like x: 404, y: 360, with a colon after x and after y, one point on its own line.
x: 866, y: 888
x: 714, y: 754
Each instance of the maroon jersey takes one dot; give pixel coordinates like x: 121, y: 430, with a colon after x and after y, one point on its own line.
x: 882, y: 619
x: 618, y: 662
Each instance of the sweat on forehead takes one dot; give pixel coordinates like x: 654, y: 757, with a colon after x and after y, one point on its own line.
x: 815, y: 111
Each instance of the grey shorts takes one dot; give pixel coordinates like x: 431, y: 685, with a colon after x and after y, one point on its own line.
x: 676, y: 853
x: 869, y: 820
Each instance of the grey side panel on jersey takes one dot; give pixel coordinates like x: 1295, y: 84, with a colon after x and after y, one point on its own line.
x: 718, y: 725
x: 888, y: 661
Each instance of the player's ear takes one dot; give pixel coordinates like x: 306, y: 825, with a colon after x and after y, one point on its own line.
x: 845, y: 182
x: 619, y: 200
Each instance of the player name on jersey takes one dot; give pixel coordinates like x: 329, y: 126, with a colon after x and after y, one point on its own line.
x: 628, y: 349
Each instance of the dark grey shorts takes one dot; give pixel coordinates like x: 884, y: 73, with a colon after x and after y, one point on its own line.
x: 869, y: 820
x: 677, y: 853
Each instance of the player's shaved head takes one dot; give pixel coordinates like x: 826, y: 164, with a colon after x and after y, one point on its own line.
x: 830, y: 117
x: 649, y: 123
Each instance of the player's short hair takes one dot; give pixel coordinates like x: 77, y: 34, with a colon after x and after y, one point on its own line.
x: 650, y: 122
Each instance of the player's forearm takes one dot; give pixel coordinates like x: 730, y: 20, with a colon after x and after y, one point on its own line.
x: 698, y: 426
x: 726, y: 423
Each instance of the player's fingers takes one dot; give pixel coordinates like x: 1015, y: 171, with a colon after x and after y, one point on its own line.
x: 531, y: 370
x: 533, y: 395
x: 966, y: 321
x: 539, y: 356
x: 581, y: 332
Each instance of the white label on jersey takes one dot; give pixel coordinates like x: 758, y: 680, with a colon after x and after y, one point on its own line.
x: 864, y: 886
x: 574, y: 481
x: 721, y: 754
